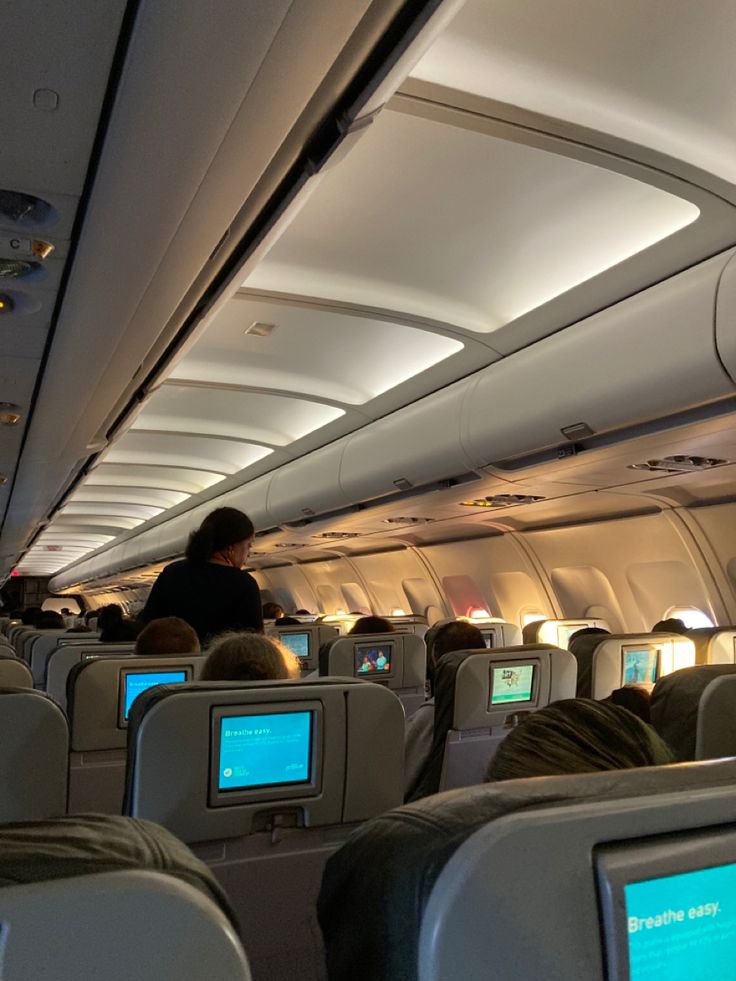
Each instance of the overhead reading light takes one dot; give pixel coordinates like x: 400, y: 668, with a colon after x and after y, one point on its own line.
x: 501, y: 501
x: 9, y: 414
x: 407, y: 521
x: 258, y: 329
x: 24, y: 209
x: 7, y: 304
x: 337, y: 534
x: 680, y: 463
x: 3, y: 479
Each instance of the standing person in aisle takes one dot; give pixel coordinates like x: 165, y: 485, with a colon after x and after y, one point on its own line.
x: 208, y: 588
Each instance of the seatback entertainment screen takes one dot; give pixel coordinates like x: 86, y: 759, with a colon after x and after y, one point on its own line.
x: 511, y: 684
x: 639, y: 665
x: 373, y: 659
x: 298, y: 643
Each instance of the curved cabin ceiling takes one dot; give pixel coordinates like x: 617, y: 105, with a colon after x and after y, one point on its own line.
x: 456, y: 230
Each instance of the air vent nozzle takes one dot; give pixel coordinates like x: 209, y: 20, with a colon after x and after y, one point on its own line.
x: 497, y: 501
x: 680, y: 463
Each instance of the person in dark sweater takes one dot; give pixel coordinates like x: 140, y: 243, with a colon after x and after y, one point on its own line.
x: 209, y: 589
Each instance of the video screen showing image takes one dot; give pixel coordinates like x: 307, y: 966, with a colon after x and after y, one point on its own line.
x: 682, y: 927
x: 298, y: 644
x: 265, y: 750
x: 489, y: 636
x: 140, y: 681
x: 512, y: 683
x: 639, y: 666
x: 373, y: 659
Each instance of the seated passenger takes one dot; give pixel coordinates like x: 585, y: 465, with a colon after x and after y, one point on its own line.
x: 577, y: 735
x: 458, y: 635
x: 303, y: 613
x: 243, y: 656
x: 671, y: 626
x: 372, y: 625
x: 29, y: 616
x: 634, y: 698
x: 167, y: 635
x: 50, y: 620
x: 272, y: 611
x: 287, y: 622
x: 587, y: 632
x: 109, y: 615
x: 119, y: 631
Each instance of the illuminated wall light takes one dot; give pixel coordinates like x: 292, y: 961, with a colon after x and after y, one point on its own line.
x: 258, y: 329
x: 6, y: 304
x: 478, y: 614
x: 398, y: 612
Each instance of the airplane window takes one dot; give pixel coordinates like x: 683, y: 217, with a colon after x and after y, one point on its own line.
x: 690, y: 616
x: 532, y: 617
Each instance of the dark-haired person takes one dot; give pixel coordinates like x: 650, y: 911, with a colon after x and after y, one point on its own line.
x: 458, y: 635
x: 50, y: 620
x: 209, y: 588
x: 372, y: 625
x: 169, y: 635
x: 577, y: 735
x: 273, y: 611
x: 673, y: 625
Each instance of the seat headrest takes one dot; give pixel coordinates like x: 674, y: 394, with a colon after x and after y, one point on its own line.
x: 714, y: 645
x: 221, y: 760
x: 462, y: 687
x: 393, y: 862
x: 675, y: 701
x: 101, y: 691
x: 610, y: 661
x: 398, y: 660
x: 558, y: 632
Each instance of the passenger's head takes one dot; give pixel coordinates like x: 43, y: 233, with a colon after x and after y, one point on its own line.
x: 287, y: 622
x: 224, y: 536
x: 168, y: 635
x: 272, y: 611
x: 457, y: 635
x: 587, y: 632
x: 577, y: 735
x: 108, y: 616
x: 634, y: 698
x: 50, y: 620
x: 372, y: 625
x: 671, y: 626
x: 243, y: 656
x: 29, y: 616
x: 303, y: 613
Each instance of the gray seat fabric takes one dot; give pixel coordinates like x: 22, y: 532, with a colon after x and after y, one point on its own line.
x: 383, y: 876
x: 14, y: 673
x: 674, y: 705
x: 89, y: 844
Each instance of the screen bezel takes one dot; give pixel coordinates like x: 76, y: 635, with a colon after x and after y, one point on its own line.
x: 629, y: 649
x: 489, y: 636
x: 298, y: 633
x: 124, y: 672
x: 274, y: 792
x: 527, y: 702
x: 374, y: 675
x: 640, y: 860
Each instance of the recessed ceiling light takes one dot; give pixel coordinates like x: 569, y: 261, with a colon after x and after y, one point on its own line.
x: 9, y: 414
x: 259, y: 329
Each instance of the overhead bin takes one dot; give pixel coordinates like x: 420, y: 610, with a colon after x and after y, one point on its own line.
x: 648, y: 357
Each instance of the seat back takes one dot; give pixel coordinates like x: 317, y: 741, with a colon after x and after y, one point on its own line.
x: 607, y: 662
x: 714, y: 645
x: 143, y: 925
x: 34, y: 756
x: 676, y: 706
x: 99, y: 695
x: 14, y: 673
x: 496, y: 633
x: 465, y: 869
x: 491, y: 693
x: 46, y: 643
x: 409, y: 624
x: 270, y: 777
x: 62, y: 659
x: 716, y: 726
x: 558, y: 632
x: 305, y: 641
x: 398, y: 661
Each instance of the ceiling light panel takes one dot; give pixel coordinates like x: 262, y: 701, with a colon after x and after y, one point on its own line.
x: 559, y: 60
x: 99, y: 523
x: 139, y: 511
x: 326, y: 353
x: 223, y: 455
x: 273, y: 419
x: 166, y: 478
x: 129, y: 495
x: 460, y: 226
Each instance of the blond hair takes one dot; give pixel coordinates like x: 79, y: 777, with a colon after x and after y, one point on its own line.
x: 244, y: 656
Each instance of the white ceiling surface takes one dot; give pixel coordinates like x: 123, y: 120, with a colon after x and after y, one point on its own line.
x: 389, y: 280
x: 442, y: 222
x: 661, y: 73
x: 68, y: 51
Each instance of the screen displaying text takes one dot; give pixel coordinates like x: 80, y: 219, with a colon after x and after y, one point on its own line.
x: 137, y: 683
x: 265, y: 750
